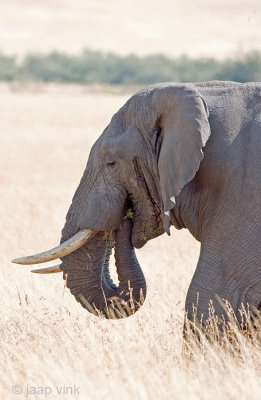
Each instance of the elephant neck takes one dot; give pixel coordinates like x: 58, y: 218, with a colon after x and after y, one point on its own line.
x: 194, y: 209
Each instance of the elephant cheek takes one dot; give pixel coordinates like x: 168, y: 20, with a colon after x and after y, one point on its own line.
x: 101, y: 214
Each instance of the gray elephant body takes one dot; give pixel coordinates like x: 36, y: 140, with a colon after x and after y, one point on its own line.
x: 187, y: 155
x: 221, y: 206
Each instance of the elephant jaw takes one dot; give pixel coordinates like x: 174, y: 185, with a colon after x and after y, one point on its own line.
x: 147, y: 224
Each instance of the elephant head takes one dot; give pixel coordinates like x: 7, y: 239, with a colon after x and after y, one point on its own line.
x: 150, y: 150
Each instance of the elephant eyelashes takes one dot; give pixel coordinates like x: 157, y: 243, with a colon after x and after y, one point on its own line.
x: 111, y: 163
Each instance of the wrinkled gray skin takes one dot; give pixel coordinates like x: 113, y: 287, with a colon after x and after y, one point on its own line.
x: 182, y: 154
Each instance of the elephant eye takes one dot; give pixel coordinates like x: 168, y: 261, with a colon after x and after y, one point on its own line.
x: 110, y: 163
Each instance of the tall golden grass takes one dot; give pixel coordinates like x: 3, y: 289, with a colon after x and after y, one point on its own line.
x: 47, y: 339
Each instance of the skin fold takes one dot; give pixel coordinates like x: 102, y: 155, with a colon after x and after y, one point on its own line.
x: 187, y: 155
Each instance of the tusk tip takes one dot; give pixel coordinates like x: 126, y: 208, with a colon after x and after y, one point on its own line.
x: 48, y: 270
x: 17, y: 261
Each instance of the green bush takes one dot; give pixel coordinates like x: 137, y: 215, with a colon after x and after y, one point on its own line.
x: 97, y: 67
x: 245, y: 69
x: 8, y: 68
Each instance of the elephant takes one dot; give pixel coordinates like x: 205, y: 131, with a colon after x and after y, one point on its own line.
x: 181, y: 154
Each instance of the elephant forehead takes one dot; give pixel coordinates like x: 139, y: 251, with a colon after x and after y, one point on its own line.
x: 128, y: 142
x: 107, y: 145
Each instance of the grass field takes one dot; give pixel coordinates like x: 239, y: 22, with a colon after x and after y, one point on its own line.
x: 47, y: 339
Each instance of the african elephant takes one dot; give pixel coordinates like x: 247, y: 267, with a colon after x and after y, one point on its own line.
x: 187, y: 155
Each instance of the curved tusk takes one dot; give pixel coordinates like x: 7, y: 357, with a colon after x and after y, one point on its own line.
x: 48, y: 270
x: 62, y: 250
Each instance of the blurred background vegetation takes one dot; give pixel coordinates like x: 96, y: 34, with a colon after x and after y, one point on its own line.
x: 109, y: 68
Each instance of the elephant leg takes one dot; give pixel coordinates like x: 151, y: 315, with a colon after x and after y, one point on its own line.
x: 204, y: 291
x: 231, y: 276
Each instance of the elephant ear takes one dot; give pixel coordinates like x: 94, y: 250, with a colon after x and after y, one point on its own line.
x: 183, y: 120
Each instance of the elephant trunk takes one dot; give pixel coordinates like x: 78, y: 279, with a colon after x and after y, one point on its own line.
x: 131, y: 279
x: 87, y: 275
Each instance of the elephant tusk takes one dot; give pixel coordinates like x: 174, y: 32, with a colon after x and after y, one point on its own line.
x: 48, y: 270
x: 62, y: 250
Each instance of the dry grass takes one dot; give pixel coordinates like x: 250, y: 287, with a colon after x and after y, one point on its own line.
x: 47, y: 339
